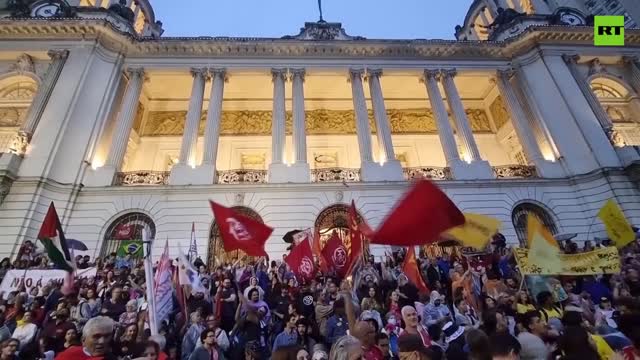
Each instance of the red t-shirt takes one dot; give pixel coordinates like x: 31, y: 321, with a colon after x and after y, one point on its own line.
x: 629, y: 353
x: 373, y: 353
x: 76, y: 353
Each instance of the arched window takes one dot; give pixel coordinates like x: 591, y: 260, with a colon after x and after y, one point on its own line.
x: 335, y: 218
x: 605, y: 91
x: 16, y: 94
x: 216, y: 253
x: 519, y: 219
x: 127, y: 227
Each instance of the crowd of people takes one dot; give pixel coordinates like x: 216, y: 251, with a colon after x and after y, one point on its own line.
x: 478, y: 306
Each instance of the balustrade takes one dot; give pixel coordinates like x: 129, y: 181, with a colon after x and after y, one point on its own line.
x: 242, y: 176
x: 515, y: 171
x: 431, y: 173
x: 335, y: 175
x: 137, y: 178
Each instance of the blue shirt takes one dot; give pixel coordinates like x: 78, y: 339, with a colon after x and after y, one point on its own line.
x: 285, y: 339
x: 336, y: 327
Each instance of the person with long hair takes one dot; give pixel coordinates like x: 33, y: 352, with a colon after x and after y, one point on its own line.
x: 575, y: 344
x: 523, y: 303
x: 346, y: 348
x: 8, y: 349
x: 25, y: 330
x: 370, y: 302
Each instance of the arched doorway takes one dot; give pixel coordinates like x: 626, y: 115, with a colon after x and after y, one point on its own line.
x: 336, y: 218
x: 216, y: 254
x: 127, y: 227
x: 519, y: 219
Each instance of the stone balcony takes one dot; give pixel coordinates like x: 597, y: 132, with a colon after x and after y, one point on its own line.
x: 324, y: 175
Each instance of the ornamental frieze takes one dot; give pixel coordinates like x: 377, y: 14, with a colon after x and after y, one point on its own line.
x: 499, y: 112
x: 318, y: 122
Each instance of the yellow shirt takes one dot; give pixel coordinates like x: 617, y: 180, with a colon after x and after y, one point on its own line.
x: 521, y: 309
x: 551, y: 313
x: 604, y: 350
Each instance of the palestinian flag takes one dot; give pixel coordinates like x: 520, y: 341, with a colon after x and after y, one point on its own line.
x: 54, y: 242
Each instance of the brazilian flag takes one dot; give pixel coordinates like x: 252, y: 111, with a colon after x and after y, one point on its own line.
x: 130, y: 247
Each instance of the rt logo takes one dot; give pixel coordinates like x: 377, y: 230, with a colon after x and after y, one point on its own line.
x: 608, y: 31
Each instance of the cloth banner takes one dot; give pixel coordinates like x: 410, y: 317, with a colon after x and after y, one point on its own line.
x: 37, y: 278
x: 600, y: 261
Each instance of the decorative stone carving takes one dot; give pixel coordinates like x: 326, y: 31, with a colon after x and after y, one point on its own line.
x: 335, y: 175
x: 515, y: 171
x: 253, y: 161
x: 595, y: 67
x: 431, y: 173
x: 325, y: 160
x: 5, y: 187
x: 19, y: 143
x: 134, y: 178
x: 323, y: 31
x: 318, y: 122
x: 616, y: 138
x: 499, y: 112
x: 22, y: 91
x: 137, y: 121
x: 24, y: 64
x: 618, y: 114
x: 239, y: 199
x: 339, y: 196
x: 12, y: 116
x: 478, y: 120
x: 242, y: 176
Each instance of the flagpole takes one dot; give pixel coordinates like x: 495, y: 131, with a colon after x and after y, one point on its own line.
x: 148, y: 273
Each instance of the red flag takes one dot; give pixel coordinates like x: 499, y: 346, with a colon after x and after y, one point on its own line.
x: 180, y: 296
x: 125, y: 231
x: 335, y: 255
x: 240, y: 232
x: 356, y: 237
x: 411, y: 270
x: 315, y: 248
x: 419, y: 218
x: 300, y: 260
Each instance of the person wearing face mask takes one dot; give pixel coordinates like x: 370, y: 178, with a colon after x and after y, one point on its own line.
x: 435, y: 311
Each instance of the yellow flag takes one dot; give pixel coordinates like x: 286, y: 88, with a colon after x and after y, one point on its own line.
x: 543, y: 248
x: 616, y: 224
x: 476, y: 231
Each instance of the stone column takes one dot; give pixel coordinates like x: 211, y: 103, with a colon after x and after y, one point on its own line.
x: 361, y: 116
x: 459, y: 116
x: 183, y: 173
x: 445, y: 131
x: 493, y: 8
x: 634, y: 69
x: 192, y: 123
x: 601, y: 115
x: 214, y: 113
x: 206, y: 172
x: 383, y: 131
x: 124, y: 121
x: 518, y: 117
x: 277, y: 168
x: 299, y: 131
x: 22, y: 139
x: 476, y: 168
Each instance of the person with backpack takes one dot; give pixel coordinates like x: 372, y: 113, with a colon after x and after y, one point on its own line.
x: 547, y: 307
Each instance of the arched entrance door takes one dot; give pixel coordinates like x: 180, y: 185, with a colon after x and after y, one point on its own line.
x: 127, y: 227
x: 519, y: 219
x: 216, y: 254
x: 336, y: 218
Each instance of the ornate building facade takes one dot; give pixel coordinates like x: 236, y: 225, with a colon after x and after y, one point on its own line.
x: 119, y: 125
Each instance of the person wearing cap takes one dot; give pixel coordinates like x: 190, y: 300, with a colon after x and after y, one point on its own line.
x: 604, y: 314
x: 455, y: 341
x: 436, y: 311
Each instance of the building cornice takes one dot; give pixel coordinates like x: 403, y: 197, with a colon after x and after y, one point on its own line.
x: 105, y: 31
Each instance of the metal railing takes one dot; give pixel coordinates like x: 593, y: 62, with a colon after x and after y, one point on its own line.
x: 242, y: 176
x: 142, y: 177
x: 431, y: 173
x: 515, y: 171
x: 335, y: 175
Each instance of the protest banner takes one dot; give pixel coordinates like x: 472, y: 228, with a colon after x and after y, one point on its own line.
x: 599, y: 261
x: 14, y: 279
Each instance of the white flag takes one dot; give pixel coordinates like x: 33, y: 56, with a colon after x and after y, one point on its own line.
x: 187, y: 274
x: 163, y: 286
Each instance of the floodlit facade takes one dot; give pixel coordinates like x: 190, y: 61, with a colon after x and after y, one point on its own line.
x: 121, y: 126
